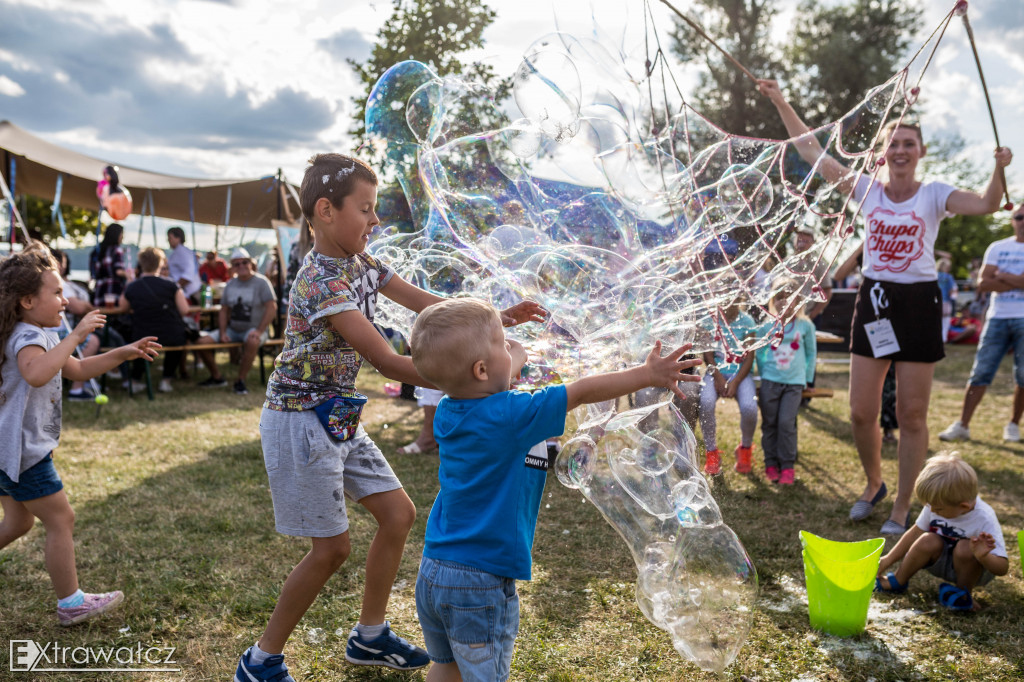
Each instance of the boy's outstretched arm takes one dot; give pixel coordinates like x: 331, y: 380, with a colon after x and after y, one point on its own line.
x: 657, y: 371
x: 415, y: 299
x: 369, y: 343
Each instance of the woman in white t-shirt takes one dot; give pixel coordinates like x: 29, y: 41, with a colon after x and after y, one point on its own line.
x: 898, y: 314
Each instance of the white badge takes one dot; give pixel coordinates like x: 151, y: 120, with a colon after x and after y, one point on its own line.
x: 882, y: 338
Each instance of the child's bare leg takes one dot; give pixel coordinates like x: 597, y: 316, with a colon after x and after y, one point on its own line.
x: 17, y: 520
x: 59, y: 521
x: 923, y: 552
x: 968, y: 568
x: 444, y: 672
x: 395, y: 514
x: 301, y: 587
x: 426, y: 437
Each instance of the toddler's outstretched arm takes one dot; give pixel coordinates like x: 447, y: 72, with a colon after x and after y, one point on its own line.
x: 656, y: 372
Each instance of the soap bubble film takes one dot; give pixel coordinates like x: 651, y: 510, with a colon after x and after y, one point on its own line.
x: 611, y: 202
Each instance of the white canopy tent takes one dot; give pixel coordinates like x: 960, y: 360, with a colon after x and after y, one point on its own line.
x: 31, y: 165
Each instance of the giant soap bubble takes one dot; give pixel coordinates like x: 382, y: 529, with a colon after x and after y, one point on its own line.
x: 599, y: 202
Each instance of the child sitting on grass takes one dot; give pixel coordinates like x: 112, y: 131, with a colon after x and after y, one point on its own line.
x: 493, y: 465
x: 957, y: 536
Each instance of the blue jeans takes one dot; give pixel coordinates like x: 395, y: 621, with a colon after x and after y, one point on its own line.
x: 469, y: 617
x: 998, y: 337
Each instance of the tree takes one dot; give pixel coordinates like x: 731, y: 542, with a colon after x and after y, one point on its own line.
x: 838, y: 52
x: 725, y: 95
x: 38, y: 215
x: 832, y: 57
x: 435, y: 32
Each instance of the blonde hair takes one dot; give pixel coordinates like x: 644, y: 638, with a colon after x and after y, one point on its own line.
x: 946, y: 480
x: 150, y: 259
x: 891, y: 127
x: 448, y: 337
x: 21, y: 276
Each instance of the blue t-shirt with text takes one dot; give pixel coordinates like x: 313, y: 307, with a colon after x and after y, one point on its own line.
x: 492, y: 472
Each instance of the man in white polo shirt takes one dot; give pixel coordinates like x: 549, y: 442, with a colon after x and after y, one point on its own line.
x: 181, y: 261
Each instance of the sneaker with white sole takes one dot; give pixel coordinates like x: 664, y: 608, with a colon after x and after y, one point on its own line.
x: 93, y: 605
x: 956, y: 431
x: 272, y: 669
x: 1011, y: 433
x: 165, y: 386
x: 388, y: 649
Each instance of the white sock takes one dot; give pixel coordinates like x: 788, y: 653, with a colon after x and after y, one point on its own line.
x: 71, y: 600
x: 370, y: 631
x: 258, y: 655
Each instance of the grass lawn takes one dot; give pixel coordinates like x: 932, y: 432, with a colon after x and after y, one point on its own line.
x: 173, y: 508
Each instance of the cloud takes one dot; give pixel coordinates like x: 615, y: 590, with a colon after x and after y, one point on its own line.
x: 89, y: 77
x: 347, y: 44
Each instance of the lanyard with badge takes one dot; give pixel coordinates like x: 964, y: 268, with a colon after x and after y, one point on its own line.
x: 880, y: 333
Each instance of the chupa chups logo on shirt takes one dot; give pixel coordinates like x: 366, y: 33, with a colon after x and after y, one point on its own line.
x: 895, y: 240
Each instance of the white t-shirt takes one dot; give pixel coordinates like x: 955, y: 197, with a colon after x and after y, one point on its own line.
x: 1007, y: 255
x: 899, y: 245
x: 978, y: 520
x: 181, y: 261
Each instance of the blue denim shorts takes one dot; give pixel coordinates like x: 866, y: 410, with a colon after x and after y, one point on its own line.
x: 469, y: 617
x: 998, y: 337
x: 39, y: 480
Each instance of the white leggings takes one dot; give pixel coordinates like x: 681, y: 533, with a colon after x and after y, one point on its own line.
x: 748, y: 411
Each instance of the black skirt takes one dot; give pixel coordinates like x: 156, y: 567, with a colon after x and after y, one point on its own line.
x: 915, y: 311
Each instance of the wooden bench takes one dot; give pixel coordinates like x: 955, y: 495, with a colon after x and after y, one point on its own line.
x: 262, y: 353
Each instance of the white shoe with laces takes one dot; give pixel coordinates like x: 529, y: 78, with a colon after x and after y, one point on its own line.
x: 1011, y: 433
x: 956, y: 431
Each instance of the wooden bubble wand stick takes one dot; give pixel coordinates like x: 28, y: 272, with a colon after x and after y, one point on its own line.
x: 696, y: 27
x: 961, y: 9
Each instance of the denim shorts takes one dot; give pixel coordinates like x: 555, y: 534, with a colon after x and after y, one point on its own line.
x: 999, y: 336
x: 469, y: 617
x: 237, y: 336
x: 39, y: 480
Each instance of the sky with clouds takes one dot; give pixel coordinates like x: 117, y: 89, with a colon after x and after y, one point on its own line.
x: 239, y: 88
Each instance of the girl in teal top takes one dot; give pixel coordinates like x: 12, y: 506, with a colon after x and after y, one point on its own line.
x: 786, y: 365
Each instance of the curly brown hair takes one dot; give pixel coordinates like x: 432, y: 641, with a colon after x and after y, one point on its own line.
x: 21, y: 276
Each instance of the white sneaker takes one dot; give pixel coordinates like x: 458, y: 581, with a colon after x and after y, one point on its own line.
x: 956, y: 431
x: 138, y: 387
x: 165, y: 386
x: 1011, y: 433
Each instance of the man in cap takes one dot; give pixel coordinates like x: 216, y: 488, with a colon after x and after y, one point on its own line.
x: 247, y: 307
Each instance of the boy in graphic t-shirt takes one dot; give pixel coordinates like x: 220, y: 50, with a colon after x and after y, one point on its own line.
x: 957, y: 536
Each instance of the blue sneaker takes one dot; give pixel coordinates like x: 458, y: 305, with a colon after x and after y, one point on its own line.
x: 272, y: 670
x: 388, y: 649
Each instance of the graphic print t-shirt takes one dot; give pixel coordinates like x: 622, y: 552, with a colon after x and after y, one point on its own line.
x: 317, y: 361
x: 246, y: 301
x: 899, y: 244
x: 980, y: 519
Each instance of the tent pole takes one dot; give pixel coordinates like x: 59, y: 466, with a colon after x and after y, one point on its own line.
x: 15, y: 215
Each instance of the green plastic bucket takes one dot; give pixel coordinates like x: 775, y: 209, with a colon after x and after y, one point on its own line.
x: 840, y: 579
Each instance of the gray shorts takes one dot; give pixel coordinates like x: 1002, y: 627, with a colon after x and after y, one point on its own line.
x: 943, y: 566
x: 311, y: 473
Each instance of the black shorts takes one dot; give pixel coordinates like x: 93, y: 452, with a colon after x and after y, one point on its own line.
x: 915, y: 311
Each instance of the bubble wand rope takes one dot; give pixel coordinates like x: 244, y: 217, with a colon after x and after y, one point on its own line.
x: 961, y: 8
x: 696, y: 27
